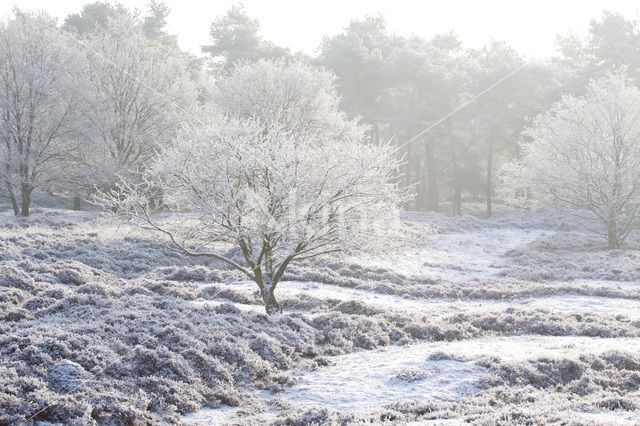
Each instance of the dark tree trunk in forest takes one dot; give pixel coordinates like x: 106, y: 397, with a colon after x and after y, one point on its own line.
x: 14, y: 203
x: 26, y: 200
x: 432, y: 177
x: 489, y: 178
x: 420, y: 179
x: 457, y: 190
x: 612, y: 234
x: 407, y: 177
x: 375, y: 133
x: 457, y: 201
x: 77, y: 203
x: 407, y: 167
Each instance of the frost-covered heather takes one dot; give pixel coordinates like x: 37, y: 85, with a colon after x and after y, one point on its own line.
x: 591, y: 390
x: 121, y: 352
x: 574, y: 255
x: 104, y: 326
x: 89, y: 348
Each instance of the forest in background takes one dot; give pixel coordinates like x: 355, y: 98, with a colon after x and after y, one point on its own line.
x: 131, y: 88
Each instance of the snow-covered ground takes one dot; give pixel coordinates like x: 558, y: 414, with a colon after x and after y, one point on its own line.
x: 437, y: 307
x: 367, y: 380
x: 455, y: 257
x: 433, y: 307
x: 452, y: 328
x: 584, y: 304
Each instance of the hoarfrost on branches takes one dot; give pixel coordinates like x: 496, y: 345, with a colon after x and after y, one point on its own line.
x: 585, y: 157
x: 282, y: 175
x: 140, y: 92
x: 39, y: 102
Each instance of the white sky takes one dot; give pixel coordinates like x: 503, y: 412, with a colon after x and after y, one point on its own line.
x: 529, y: 26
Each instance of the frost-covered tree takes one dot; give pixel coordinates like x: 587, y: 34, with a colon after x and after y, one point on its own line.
x: 38, y: 105
x: 280, y: 175
x: 140, y: 92
x: 292, y: 95
x: 585, y: 157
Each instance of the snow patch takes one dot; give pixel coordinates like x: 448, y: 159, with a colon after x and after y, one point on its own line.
x: 210, y: 416
x: 458, y: 257
x: 589, y: 304
x: 368, y: 380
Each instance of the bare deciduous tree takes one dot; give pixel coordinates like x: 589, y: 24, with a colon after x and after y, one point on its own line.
x: 585, y: 156
x: 38, y: 101
x: 140, y: 92
x: 279, y: 183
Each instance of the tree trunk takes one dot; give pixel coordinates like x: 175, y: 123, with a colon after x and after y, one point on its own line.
x: 14, y: 203
x: 457, y: 201
x: 375, y: 133
x: 14, y: 200
x: 612, y: 234
x: 271, y: 305
x: 26, y: 200
x: 489, y: 179
x: 457, y: 196
x: 407, y: 175
x: 267, y: 280
x: 418, y: 177
x: 433, y: 203
x: 77, y: 203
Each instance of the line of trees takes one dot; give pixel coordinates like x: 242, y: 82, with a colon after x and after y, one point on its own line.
x: 86, y: 103
x: 400, y: 85
x: 94, y: 100
x: 561, y: 132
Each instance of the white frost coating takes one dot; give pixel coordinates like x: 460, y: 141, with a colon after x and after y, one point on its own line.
x: 618, y: 418
x: 281, y: 178
x: 365, y: 380
x: 368, y: 379
x: 584, y: 154
x: 241, y: 306
x: 438, y: 307
x: 531, y: 347
x: 40, y: 110
x: 589, y: 304
x: 136, y: 98
x: 210, y: 416
x: 458, y: 257
x: 433, y: 307
x: 631, y: 285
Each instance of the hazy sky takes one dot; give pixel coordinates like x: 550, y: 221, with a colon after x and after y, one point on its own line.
x: 529, y: 26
